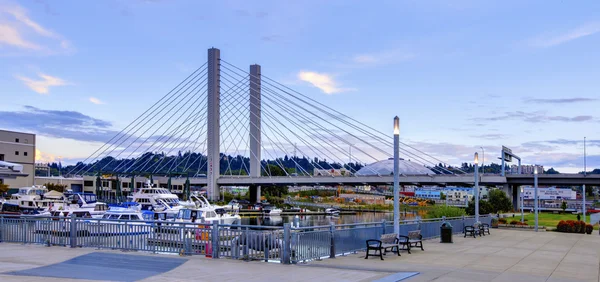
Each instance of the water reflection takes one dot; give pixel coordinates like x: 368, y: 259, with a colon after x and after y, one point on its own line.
x: 314, y: 220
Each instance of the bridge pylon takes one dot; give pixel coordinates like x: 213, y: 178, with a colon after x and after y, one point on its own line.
x: 255, y: 126
x: 213, y: 123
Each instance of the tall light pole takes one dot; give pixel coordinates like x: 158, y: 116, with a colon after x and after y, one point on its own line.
x: 482, y: 160
x: 535, y: 195
x: 396, y: 175
x: 584, y: 175
x: 476, y: 192
x: 522, y: 198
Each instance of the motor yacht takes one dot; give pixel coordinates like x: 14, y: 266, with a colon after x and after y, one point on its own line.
x: 207, y: 214
x: 27, y: 198
x: 152, y: 198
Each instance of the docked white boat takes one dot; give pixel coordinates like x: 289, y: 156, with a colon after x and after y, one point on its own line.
x: 233, y: 205
x: 207, y: 214
x: 332, y: 211
x: 117, y: 222
x: 28, y: 197
x: 152, y: 198
x: 271, y: 211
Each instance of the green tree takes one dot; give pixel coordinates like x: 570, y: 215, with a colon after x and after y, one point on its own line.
x: 273, y: 170
x: 563, y: 206
x: 484, y: 207
x: 499, y: 201
x: 442, y: 196
x: 3, y: 188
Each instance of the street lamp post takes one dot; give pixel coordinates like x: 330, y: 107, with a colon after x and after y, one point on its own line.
x: 535, y: 195
x: 476, y: 192
x: 396, y: 175
x: 522, y: 197
x: 584, y: 175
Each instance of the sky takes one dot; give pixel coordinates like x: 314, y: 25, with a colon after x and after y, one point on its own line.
x: 463, y: 76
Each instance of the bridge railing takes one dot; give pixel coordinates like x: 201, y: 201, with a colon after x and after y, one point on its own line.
x: 285, y: 244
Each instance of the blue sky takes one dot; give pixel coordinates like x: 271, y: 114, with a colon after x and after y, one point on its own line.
x: 460, y: 74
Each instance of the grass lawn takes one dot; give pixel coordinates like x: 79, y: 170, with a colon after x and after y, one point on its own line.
x: 550, y: 220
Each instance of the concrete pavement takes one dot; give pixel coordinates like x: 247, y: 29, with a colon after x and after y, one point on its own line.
x: 506, y: 255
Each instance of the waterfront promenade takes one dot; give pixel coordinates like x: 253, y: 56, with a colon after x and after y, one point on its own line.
x: 505, y: 255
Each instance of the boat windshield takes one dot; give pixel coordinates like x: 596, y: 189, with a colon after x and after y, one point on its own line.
x: 187, y: 214
x: 111, y: 216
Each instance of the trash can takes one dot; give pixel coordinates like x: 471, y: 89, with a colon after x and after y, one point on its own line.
x: 446, y: 233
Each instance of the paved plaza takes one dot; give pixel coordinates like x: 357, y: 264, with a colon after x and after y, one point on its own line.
x: 505, y: 255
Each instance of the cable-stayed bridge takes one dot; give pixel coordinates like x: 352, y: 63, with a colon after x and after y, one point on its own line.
x: 227, y: 125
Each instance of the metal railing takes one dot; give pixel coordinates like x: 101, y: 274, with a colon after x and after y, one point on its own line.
x: 285, y: 244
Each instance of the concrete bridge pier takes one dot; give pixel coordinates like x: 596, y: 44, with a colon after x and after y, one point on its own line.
x: 513, y: 193
x: 254, y: 191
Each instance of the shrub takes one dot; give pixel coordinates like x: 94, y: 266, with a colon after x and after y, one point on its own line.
x: 582, y: 225
x: 502, y: 220
x: 522, y: 223
x: 589, y: 229
x: 514, y: 222
x: 447, y: 211
x: 562, y: 226
x: 573, y: 226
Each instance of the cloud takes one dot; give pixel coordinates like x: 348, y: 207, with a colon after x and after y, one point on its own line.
x: 490, y: 136
x: 42, y: 86
x: 561, y: 101
x: 579, y: 142
x: 58, y: 124
x: 11, y: 36
x: 96, y: 101
x: 454, y: 154
x: 21, y: 16
x: 322, y: 81
x: 536, y: 117
x: 17, y: 29
x: 41, y: 157
x: 553, y: 40
x: 382, y: 58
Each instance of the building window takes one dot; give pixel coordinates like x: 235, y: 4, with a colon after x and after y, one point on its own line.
x: 88, y: 183
x: 1, y: 157
x: 25, y: 154
x: 16, y: 140
x: 16, y: 153
x: 26, y: 141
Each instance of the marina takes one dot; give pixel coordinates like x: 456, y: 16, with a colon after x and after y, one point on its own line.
x: 299, y: 141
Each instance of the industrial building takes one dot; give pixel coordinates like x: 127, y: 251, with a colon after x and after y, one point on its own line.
x: 17, y: 157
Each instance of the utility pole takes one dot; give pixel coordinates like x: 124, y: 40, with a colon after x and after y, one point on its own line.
x: 584, y: 175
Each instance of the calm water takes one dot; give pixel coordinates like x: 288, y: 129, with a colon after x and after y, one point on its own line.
x: 316, y: 220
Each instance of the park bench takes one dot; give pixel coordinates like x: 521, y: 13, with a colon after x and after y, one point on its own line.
x: 472, y: 230
x: 485, y: 228
x: 414, y: 239
x: 386, y: 241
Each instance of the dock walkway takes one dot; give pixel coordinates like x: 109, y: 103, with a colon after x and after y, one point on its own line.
x: 505, y: 255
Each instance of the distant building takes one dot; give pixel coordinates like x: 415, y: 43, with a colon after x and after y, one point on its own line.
x: 433, y: 193
x: 551, y: 193
x: 18, y: 148
x: 526, y: 169
x: 367, y: 199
